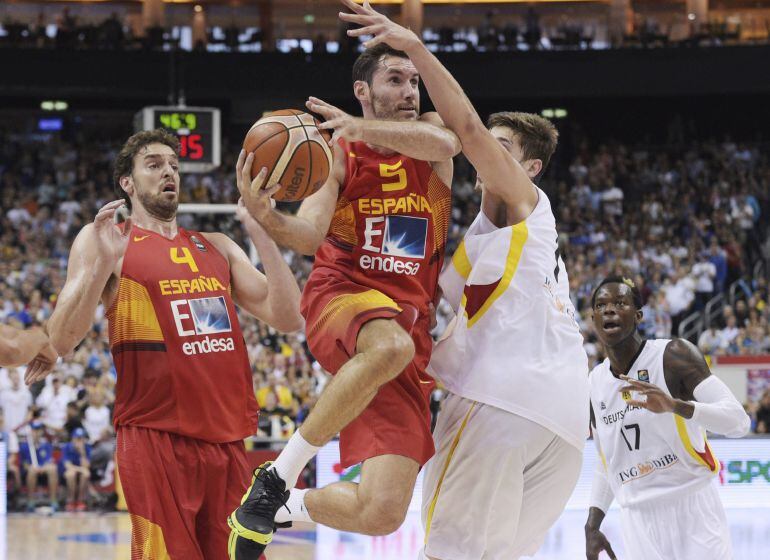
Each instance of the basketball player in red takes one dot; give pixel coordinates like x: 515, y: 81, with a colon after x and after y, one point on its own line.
x: 378, y: 229
x: 184, y: 398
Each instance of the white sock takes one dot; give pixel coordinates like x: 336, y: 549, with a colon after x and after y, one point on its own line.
x: 293, y: 459
x: 296, y: 505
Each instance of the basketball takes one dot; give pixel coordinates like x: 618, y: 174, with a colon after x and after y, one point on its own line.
x: 294, y: 150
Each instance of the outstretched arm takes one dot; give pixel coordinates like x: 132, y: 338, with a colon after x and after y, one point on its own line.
x: 503, y: 176
x: 426, y: 139
x: 696, y: 393
x: 18, y: 347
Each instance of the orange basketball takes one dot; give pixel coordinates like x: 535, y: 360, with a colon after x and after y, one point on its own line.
x: 294, y: 150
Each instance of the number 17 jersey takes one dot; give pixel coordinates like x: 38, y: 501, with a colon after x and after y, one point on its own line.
x: 646, y: 455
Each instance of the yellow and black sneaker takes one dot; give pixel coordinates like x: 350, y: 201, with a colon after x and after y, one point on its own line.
x: 254, y: 519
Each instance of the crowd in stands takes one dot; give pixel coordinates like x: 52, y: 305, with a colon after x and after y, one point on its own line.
x: 684, y: 222
x: 494, y: 33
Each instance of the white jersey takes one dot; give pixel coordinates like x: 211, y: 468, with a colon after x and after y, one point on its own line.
x: 515, y: 343
x: 646, y: 455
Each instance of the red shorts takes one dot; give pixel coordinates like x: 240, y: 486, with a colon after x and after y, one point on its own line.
x: 179, y: 492
x: 397, y: 421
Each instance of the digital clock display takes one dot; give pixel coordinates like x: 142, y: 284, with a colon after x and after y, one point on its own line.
x: 193, y: 130
x: 197, y: 128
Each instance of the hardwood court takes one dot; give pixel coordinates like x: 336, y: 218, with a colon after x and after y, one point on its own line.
x: 89, y: 536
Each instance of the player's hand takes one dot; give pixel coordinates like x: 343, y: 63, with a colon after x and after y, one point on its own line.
x: 595, y: 543
x: 656, y: 399
x: 344, y: 126
x: 41, y: 365
x: 257, y: 199
x: 378, y: 25
x: 111, y: 242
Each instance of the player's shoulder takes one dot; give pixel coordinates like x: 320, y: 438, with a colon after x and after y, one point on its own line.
x: 677, y: 350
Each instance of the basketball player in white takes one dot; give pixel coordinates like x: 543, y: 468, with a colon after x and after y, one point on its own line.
x: 651, y: 402
x: 509, y: 439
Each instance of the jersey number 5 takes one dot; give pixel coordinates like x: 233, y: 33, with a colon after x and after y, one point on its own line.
x: 634, y: 427
x: 395, y: 171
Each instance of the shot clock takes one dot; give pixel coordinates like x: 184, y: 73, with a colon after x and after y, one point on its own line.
x: 198, y: 130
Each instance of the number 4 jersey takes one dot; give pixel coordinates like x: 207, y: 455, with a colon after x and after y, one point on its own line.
x: 515, y: 343
x: 176, y: 342
x: 646, y: 455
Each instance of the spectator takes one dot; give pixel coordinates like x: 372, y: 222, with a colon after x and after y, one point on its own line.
x: 53, y: 401
x: 16, y: 402
x: 709, y: 341
x: 74, y: 419
x: 96, y: 417
x: 12, y: 442
x: 704, y: 273
x: 763, y: 414
x: 75, y: 468
x: 38, y: 464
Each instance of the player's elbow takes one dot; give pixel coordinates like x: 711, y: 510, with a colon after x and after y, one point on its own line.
x: 742, y: 427
x: 448, y: 146
x: 289, y: 323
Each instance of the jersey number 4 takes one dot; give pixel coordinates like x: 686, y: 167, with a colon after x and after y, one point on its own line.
x: 635, y: 428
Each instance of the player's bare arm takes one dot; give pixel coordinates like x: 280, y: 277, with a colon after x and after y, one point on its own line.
x: 503, y: 176
x: 18, y: 347
x: 696, y: 392
x: 94, y: 259
x: 304, y: 232
x: 426, y: 139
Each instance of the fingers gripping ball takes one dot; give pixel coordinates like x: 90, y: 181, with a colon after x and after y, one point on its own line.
x: 294, y: 151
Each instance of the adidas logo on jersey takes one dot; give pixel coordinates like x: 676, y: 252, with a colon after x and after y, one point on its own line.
x: 604, y: 406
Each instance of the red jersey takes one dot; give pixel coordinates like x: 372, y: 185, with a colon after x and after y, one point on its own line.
x: 175, y: 339
x: 390, y: 226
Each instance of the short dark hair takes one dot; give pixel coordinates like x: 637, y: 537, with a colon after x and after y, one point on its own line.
x: 367, y: 62
x: 615, y: 279
x: 537, y: 135
x: 124, y: 162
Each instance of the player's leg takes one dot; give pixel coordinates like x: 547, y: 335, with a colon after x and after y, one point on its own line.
x: 225, y: 472
x: 700, y: 528
x: 376, y: 506
x: 477, y: 463
x: 162, y: 493
x: 383, y: 349
x: 551, y: 471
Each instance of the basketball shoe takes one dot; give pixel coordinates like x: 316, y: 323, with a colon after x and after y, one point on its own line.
x: 254, y: 519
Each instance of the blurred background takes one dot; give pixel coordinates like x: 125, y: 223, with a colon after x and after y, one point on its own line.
x: 662, y: 174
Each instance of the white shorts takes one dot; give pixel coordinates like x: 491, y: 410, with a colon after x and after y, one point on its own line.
x: 496, y: 484
x: 692, y: 526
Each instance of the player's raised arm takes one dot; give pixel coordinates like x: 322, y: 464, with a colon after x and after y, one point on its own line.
x: 697, y: 394
x: 426, y: 139
x: 304, y: 232
x: 502, y: 175
x: 92, y: 261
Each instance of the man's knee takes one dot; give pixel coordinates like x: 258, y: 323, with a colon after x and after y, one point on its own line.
x: 383, y: 515
x: 389, y: 345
